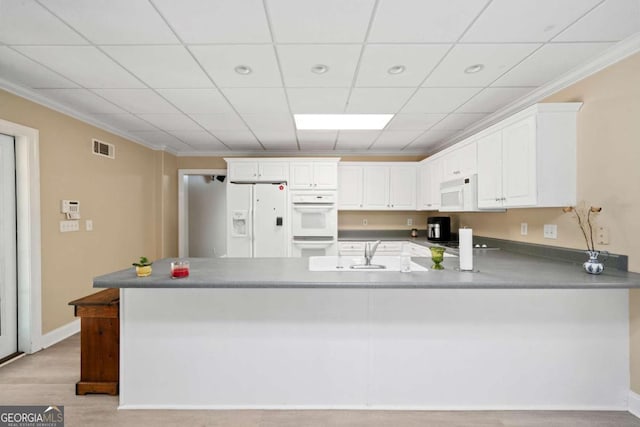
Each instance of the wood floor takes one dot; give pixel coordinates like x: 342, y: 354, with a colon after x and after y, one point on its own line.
x: 49, y: 377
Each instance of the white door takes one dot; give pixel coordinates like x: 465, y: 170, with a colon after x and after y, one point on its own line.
x: 490, y: 171
x: 8, y: 273
x: 350, y: 187
x: 376, y: 187
x: 402, y: 187
x: 519, y: 163
x: 270, y: 220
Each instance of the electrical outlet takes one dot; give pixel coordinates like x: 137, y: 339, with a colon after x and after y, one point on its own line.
x: 550, y: 231
x: 524, y: 228
x: 409, y: 221
x: 88, y: 225
x: 365, y: 222
x: 602, y: 235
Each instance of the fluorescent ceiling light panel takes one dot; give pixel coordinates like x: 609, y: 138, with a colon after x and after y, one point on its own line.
x: 341, y: 121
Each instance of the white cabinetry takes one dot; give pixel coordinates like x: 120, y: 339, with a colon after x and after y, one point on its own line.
x: 253, y: 170
x: 314, y: 175
x: 529, y: 160
x: 356, y: 248
x: 377, y: 186
x: 460, y: 161
x: 429, y: 179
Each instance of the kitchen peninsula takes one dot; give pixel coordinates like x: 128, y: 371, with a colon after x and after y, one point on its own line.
x: 522, y: 332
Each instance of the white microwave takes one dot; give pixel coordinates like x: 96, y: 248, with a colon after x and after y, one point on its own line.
x: 459, y: 195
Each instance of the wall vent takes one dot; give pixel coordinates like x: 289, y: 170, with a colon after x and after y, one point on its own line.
x: 104, y: 149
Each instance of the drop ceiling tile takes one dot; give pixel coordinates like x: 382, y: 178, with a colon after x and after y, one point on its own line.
x: 297, y: 60
x: 276, y: 121
x: 114, y: 21
x: 313, y: 140
x: 160, y: 139
x: 326, y: 21
x: 138, y: 101
x: 492, y: 99
x: 26, y: 22
x: 277, y: 139
x: 220, y: 21
x: 220, y: 122
x: 496, y: 58
x: 525, y: 20
x: 161, y: 66
x: 418, y: 60
x: 238, y: 139
x: 257, y: 100
x: 378, y: 100
x: 81, y: 100
x: 439, y: 100
x: 356, y: 139
x: 458, y: 121
x: 220, y: 62
x: 22, y: 70
x: 430, y: 21
x: 611, y: 21
x: 199, y: 139
x: 84, y: 65
x: 197, y: 101
x: 550, y: 62
x: 414, y: 121
x: 171, y: 122
x: 396, y: 139
x: 432, y: 138
x: 318, y: 100
x: 127, y: 122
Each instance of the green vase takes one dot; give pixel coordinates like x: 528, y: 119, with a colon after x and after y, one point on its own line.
x: 437, y: 255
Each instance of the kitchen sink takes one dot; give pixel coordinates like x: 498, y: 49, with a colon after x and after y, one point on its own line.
x: 345, y: 263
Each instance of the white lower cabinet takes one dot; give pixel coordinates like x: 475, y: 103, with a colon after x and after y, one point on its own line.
x: 356, y: 248
x: 529, y: 160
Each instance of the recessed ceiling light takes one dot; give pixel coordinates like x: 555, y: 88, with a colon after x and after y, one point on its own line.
x: 243, y: 69
x: 341, y: 121
x: 396, y: 69
x: 319, y: 69
x: 472, y: 69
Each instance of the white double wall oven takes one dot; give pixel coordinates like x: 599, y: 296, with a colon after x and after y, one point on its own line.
x: 314, y: 223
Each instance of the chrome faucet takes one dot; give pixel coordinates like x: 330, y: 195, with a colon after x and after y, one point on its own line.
x: 370, y: 251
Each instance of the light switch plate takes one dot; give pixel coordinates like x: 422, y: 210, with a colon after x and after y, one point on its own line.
x: 88, y: 225
x: 550, y: 231
x: 409, y: 221
x: 66, y: 226
x: 524, y: 228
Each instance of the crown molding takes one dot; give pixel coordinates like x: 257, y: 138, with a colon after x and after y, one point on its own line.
x: 33, y: 96
x: 614, y: 54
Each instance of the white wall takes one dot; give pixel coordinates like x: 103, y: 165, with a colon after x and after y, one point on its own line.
x: 206, y: 217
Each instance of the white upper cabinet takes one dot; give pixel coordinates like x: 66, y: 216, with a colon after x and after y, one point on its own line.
x: 402, y: 187
x: 429, y: 179
x: 377, y: 186
x: 529, y: 160
x: 459, y: 162
x: 243, y: 170
x: 314, y: 175
x: 350, y: 187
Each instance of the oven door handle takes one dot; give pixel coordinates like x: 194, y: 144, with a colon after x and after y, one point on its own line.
x: 313, y: 208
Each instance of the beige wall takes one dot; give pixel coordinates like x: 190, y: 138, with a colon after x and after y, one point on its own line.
x: 120, y: 196
x: 608, y: 176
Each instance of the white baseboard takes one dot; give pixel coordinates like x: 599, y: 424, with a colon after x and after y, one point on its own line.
x: 59, y: 334
x: 634, y: 403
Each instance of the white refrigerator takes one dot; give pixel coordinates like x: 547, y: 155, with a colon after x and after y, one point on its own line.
x: 257, y: 220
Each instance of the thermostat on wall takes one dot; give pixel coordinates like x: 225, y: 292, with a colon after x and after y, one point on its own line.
x: 71, y: 208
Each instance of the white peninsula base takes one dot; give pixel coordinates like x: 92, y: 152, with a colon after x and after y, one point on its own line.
x: 374, y: 348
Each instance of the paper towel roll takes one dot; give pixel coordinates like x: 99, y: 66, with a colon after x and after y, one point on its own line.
x: 466, y: 248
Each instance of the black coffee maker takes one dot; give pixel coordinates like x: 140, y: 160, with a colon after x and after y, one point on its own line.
x: 439, y: 228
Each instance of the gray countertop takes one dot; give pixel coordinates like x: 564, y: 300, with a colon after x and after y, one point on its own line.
x: 496, y: 270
